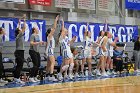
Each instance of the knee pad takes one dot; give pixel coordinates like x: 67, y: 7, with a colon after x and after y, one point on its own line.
x: 71, y: 66
x: 65, y: 67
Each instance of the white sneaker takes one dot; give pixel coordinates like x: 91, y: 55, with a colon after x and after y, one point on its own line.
x: 32, y: 80
x: 66, y: 76
x: 47, y: 78
x: 104, y: 74
x: 108, y: 73
x: 138, y: 71
x: 71, y: 76
x: 114, y: 72
x: 35, y: 78
x: 98, y: 73
x: 82, y: 75
x: 90, y: 74
x: 18, y: 81
x: 3, y: 81
x: 52, y: 79
x: 94, y: 71
x: 77, y: 75
x: 59, y: 76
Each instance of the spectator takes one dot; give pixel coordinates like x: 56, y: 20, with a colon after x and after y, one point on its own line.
x: 137, y: 54
x: 117, y: 59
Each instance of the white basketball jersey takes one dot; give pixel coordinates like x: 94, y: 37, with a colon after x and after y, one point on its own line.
x: 101, y: 41
x: 87, y: 43
x: 50, y: 42
x: 64, y: 42
x: 109, y: 47
x: 108, y: 44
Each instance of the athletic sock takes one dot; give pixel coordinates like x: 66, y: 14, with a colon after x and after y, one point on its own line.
x: 71, y: 68
x: 65, y: 67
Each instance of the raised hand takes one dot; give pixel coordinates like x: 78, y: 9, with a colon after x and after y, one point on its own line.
x: 62, y: 23
x: 105, y: 24
x: 24, y: 16
x: 86, y: 28
x: 106, y: 21
x: 19, y: 21
x: 57, y: 18
x: 74, y: 38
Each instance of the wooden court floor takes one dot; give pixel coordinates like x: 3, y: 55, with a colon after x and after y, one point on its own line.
x: 111, y: 85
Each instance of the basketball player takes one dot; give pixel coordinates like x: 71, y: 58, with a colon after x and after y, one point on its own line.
x: 50, y: 51
x: 103, y: 53
x: 66, y: 53
x: 110, y: 45
x: 19, y: 53
x: 87, y: 52
x: 101, y: 35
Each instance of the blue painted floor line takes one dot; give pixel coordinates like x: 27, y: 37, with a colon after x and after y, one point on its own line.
x: 43, y: 82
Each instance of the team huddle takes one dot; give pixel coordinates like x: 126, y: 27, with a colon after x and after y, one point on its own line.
x: 71, y: 66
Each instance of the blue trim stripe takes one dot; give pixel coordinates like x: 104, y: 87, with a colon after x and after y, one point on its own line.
x: 66, y: 54
x: 50, y: 52
x: 50, y: 43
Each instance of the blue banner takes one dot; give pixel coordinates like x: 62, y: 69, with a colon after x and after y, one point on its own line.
x: 132, y: 4
x: 125, y: 33
x: 10, y: 24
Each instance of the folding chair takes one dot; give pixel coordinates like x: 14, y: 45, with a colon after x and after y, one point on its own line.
x: 9, y: 67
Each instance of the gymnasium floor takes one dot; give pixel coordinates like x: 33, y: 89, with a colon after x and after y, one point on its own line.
x: 124, y: 83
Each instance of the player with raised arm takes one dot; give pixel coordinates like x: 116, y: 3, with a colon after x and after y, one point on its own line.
x: 20, y: 48
x: 50, y: 45
x: 66, y: 52
x: 87, y: 52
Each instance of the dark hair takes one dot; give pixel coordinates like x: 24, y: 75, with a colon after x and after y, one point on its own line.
x: 138, y: 38
x: 33, y: 30
x: 0, y: 29
x: 48, y: 32
x: 106, y: 33
x: 115, y: 47
x: 100, y: 33
x: 73, y: 49
x: 86, y: 33
x: 17, y: 32
x: 59, y: 33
